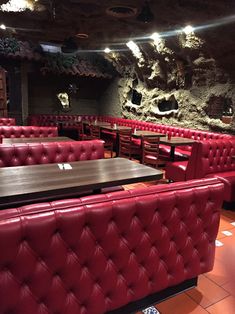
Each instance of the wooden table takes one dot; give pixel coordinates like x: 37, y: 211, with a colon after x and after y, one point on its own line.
x: 118, y: 128
x: 97, y: 123
x: 140, y: 133
x: 31, y: 184
x: 35, y: 139
x: 176, y: 141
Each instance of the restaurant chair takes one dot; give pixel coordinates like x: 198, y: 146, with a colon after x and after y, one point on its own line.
x: 126, y: 146
x: 150, y: 151
x: 82, y: 136
x: 96, y: 134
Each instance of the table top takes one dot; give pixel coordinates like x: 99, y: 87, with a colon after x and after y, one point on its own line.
x: 177, y: 141
x: 35, y: 139
x: 118, y: 127
x: 139, y: 133
x: 97, y: 123
x: 31, y: 184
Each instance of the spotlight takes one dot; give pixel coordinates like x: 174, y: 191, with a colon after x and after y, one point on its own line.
x: 188, y: 29
x: 132, y: 45
x: 135, y: 49
x: 146, y: 15
x: 2, y: 26
x: 155, y: 37
x: 107, y: 50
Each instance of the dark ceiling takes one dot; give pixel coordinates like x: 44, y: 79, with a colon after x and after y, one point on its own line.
x: 107, y: 21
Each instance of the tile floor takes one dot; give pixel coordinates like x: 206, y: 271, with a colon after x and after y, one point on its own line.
x: 215, y: 293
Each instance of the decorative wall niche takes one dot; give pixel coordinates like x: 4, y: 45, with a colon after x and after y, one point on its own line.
x: 167, y: 106
x: 64, y: 101
x: 136, y: 97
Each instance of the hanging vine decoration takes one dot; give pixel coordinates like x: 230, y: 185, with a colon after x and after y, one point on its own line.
x: 57, y: 62
x: 9, y: 45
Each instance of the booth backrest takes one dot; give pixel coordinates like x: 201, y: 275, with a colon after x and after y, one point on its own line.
x: 7, y: 121
x: 174, y: 130
x: 214, y: 156
x: 53, y: 152
x: 94, y: 258
x: 50, y: 120
x: 27, y: 131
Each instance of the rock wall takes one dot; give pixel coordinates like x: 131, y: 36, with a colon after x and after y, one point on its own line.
x: 180, y: 84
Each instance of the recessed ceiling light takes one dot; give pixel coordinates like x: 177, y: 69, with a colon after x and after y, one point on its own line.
x: 121, y: 11
x: 107, y: 50
x: 131, y: 45
x: 82, y: 35
x: 188, y: 29
x: 155, y: 36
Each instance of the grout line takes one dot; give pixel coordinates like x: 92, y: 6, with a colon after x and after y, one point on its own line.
x: 219, y: 301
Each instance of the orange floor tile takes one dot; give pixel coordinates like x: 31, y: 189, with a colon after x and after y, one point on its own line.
x: 226, y: 306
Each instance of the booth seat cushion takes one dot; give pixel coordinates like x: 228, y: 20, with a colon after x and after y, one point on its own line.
x: 176, y: 171
x: 179, y: 155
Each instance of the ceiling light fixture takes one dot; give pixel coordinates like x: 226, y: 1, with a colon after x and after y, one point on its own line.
x: 146, y: 15
x: 17, y: 6
x: 155, y: 37
x: 188, y: 29
x: 107, y: 50
x: 82, y: 35
x: 135, y: 49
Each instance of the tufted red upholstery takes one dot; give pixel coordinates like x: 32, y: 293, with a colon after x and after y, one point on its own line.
x: 49, y: 120
x: 27, y: 131
x: 7, y: 121
x: 93, y: 257
x: 180, y: 153
x: 53, y: 152
x: 212, y: 158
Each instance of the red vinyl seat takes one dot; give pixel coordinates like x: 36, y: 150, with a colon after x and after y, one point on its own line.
x: 100, y: 253
x: 211, y: 158
x: 27, y: 131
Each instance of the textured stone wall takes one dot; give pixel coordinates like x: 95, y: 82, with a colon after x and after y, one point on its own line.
x: 182, y: 73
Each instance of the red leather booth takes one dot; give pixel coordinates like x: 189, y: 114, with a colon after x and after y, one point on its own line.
x: 7, y: 121
x: 180, y: 153
x: 27, y: 131
x: 101, y: 254
x: 50, y: 120
x: 52, y: 152
x: 208, y: 159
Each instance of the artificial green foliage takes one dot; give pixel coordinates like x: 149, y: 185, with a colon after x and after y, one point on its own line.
x: 59, y: 61
x: 9, y: 45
